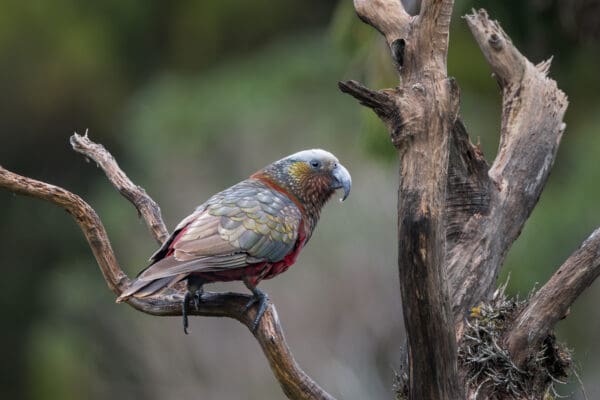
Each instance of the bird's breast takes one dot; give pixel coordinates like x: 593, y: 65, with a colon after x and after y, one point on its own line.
x: 290, y: 259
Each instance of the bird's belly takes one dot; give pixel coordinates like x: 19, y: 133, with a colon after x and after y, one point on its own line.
x: 276, y: 269
x: 256, y: 272
x: 235, y: 274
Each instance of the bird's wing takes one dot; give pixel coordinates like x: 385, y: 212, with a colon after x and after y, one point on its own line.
x: 245, y: 224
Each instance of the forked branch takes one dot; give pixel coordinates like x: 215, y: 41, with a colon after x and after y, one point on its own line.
x: 293, y: 380
x: 146, y: 207
x: 387, y: 16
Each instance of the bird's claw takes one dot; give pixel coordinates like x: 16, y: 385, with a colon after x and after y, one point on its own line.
x: 262, y: 299
x: 185, y: 308
x: 198, y: 298
x: 249, y: 304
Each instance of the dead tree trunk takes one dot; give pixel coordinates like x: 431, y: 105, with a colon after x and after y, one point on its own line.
x: 457, y: 218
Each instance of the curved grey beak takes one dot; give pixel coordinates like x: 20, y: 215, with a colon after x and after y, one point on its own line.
x: 342, y: 180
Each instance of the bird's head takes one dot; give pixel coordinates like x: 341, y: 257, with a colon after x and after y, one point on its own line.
x: 311, y: 176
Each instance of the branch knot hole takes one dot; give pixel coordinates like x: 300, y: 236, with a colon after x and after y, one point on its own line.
x: 495, y: 42
x: 397, y: 48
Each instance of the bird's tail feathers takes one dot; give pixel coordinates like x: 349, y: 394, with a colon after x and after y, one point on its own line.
x: 142, y: 288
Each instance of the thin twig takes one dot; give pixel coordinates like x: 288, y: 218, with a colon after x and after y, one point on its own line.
x: 135, y: 194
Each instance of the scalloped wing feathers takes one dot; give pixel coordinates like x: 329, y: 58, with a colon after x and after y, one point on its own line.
x: 245, y: 224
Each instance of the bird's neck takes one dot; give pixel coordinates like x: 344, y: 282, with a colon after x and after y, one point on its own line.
x: 310, y: 202
x: 272, y: 183
x: 312, y: 213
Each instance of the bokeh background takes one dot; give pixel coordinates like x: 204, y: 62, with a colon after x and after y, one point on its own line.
x: 192, y: 96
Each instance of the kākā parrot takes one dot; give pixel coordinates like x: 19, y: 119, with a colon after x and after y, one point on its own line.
x: 251, y: 231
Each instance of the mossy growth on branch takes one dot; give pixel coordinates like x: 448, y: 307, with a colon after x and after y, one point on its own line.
x: 490, y: 371
x: 488, y: 365
x: 400, y: 385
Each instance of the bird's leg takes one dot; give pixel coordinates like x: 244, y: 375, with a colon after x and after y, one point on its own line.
x: 259, y: 297
x: 198, y: 298
x: 194, y: 290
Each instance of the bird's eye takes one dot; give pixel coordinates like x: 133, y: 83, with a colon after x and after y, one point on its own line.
x: 315, y: 163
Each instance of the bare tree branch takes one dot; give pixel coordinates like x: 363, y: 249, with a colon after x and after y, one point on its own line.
x: 379, y: 101
x: 532, y: 112
x: 295, y: 383
x: 551, y: 303
x: 84, y: 215
x: 385, y: 103
x: 434, y: 28
x: 507, y: 63
x: 387, y: 16
x: 135, y: 194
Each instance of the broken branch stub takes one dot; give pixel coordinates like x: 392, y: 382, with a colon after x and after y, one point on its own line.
x: 531, y: 130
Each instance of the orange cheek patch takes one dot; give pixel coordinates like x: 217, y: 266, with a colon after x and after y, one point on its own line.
x: 310, y: 184
x: 299, y: 170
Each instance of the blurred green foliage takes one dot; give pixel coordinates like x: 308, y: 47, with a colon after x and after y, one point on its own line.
x: 191, y: 96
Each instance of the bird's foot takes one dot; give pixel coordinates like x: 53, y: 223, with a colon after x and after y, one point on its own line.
x: 194, y: 292
x: 262, y: 299
x: 185, y: 310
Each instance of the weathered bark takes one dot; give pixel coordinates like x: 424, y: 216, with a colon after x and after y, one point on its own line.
x: 420, y: 114
x: 468, y: 189
x: 295, y: 383
x: 531, y: 129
